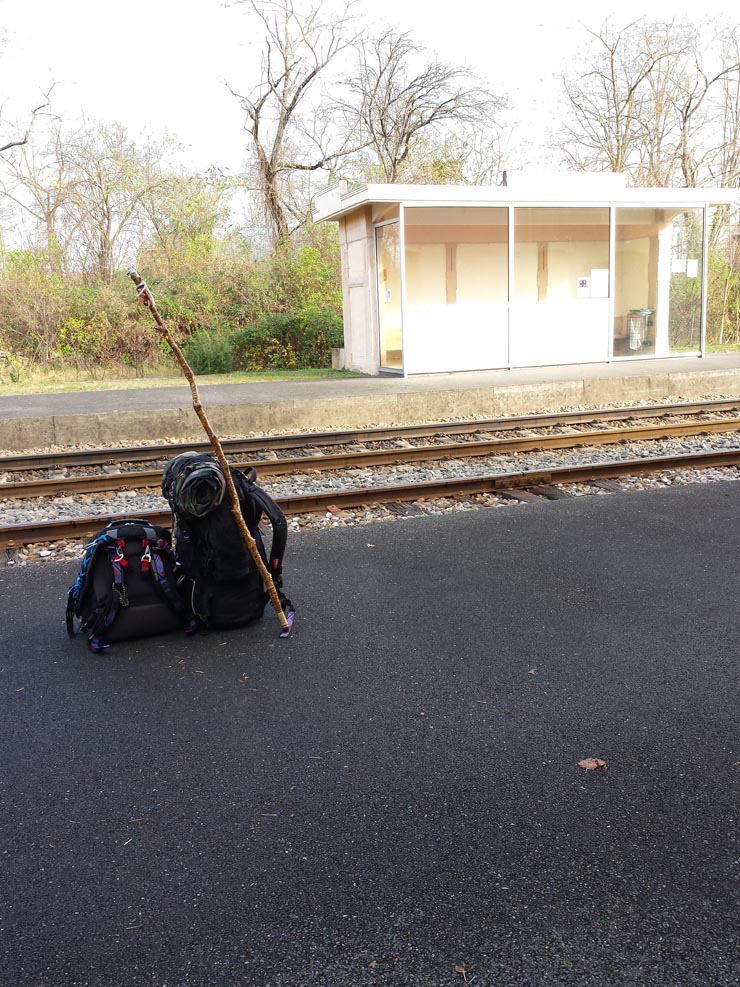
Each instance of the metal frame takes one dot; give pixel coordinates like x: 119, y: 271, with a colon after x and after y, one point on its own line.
x: 612, y: 281
x: 704, y: 282
x: 511, y: 207
x: 376, y: 226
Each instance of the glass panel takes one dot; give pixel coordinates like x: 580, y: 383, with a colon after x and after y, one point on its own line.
x: 457, y: 277
x: 561, y: 254
x: 388, y: 252
x: 658, y: 281
x: 684, y: 311
x: 456, y: 255
x: 560, y: 309
x: 723, y: 289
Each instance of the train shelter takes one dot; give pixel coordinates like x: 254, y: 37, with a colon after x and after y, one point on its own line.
x: 541, y: 271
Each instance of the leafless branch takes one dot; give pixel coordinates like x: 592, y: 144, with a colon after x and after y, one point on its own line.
x: 35, y: 112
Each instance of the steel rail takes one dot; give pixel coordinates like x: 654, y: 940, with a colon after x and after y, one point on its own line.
x: 12, y: 536
x: 143, y: 479
x: 93, y: 457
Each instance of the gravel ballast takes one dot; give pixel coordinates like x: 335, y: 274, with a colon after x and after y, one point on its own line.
x: 135, y: 501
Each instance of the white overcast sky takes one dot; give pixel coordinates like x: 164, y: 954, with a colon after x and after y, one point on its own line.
x: 162, y: 65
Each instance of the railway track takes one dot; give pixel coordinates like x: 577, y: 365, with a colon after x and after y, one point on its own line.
x: 542, y: 479
x: 341, y: 452
x: 324, y: 462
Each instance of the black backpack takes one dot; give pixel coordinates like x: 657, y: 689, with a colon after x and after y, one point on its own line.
x: 127, y: 585
x: 226, y: 588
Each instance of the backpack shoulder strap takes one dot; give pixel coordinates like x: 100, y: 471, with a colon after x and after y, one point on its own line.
x: 279, y: 526
x: 162, y: 572
x: 105, y: 614
x: 254, y: 503
x: 78, y: 587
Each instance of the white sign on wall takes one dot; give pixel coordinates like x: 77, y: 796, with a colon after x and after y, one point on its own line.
x: 600, y: 282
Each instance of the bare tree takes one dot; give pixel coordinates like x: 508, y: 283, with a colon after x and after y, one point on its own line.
x: 113, y: 178
x: 606, y: 105
x: 23, y: 136
x: 41, y: 183
x: 399, y: 102
x: 289, y: 132
x: 686, y: 97
x: 185, y: 212
x: 725, y: 166
x: 649, y: 103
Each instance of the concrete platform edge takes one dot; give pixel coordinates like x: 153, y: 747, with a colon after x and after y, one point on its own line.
x: 346, y: 411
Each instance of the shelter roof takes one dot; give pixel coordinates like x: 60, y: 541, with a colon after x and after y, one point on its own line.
x: 563, y: 189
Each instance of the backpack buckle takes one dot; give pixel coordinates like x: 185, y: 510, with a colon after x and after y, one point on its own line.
x: 118, y: 557
x: 146, y: 558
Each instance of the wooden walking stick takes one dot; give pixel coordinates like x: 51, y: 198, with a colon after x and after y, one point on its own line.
x: 147, y: 299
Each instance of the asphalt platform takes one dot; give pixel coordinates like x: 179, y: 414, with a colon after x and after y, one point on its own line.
x: 108, y: 416
x: 393, y: 795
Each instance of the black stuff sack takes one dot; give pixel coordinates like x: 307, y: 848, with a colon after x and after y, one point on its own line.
x: 127, y: 586
x: 226, y: 588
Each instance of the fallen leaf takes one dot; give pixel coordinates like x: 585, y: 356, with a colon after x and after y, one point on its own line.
x: 372, y: 964
x: 592, y: 763
x: 459, y: 968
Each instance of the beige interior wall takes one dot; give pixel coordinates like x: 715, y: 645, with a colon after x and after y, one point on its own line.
x: 525, y: 271
x: 631, y: 276
x: 482, y: 272
x: 566, y: 262
x: 554, y: 247
x: 425, y: 274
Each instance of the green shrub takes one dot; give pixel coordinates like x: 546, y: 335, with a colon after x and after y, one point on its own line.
x: 12, y: 367
x: 82, y: 343
x: 287, y: 305
x: 288, y: 341
x: 191, y: 303
x: 104, y: 329
x: 208, y: 352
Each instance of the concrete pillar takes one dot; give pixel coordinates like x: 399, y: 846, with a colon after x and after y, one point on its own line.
x: 358, y: 289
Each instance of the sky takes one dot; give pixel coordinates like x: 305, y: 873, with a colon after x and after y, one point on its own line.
x: 167, y: 65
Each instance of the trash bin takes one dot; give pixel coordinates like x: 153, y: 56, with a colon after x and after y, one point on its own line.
x: 638, y: 322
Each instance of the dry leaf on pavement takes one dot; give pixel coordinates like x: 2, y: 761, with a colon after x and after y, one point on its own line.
x: 591, y: 763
